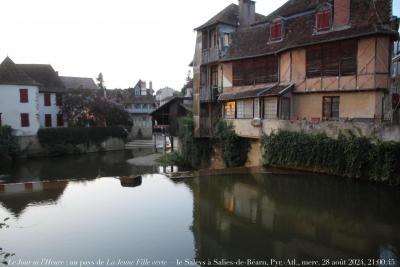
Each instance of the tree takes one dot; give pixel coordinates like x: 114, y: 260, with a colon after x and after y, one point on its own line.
x: 100, y: 81
x: 89, y: 108
x: 188, y: 83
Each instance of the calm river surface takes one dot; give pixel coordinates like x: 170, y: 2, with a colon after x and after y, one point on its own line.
x: 252, y: 216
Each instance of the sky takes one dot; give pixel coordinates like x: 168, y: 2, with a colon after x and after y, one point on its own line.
x: 126, y: 40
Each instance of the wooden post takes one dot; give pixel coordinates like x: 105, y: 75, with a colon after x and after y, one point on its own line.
x: 171, y: 138
x: 155, y: 142
x: 165, y: 143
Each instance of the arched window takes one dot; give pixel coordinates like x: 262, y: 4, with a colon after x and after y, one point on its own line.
x: 276, y: 30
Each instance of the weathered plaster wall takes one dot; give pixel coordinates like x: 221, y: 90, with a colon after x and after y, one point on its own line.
x: 11, y: 108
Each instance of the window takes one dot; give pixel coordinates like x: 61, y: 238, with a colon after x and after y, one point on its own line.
x: 47, y: 120
x: 244, y: 109
x: 58, y: 100
x: 229, y: 110
x: 284, y: 108
x: 330, y: 107
x: 60, y: 120
x: 333, y: 59
x: 270, y: 108
x: 255, y: 71
x: 23, y: 95
x: 227, y: 39
x: 214, y: 76
x: 24, y: 119
x: 276, y: 30
x: 323, y: 20
x: 47, y: 99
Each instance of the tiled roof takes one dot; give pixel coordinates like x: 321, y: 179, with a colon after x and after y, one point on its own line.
x: 229, y: 16
x: 45, y: 75
x: 273, y: 90
x: 298, y: 30
x: 10, y: 73
x: 78, y: 83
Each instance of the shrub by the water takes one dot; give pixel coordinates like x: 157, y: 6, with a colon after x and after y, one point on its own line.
x: 233, y: 147
x: 354, y: 157
x: 8, y: 144
x: 61, y: 141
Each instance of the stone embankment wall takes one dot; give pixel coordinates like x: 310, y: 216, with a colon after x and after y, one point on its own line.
x: 30, y: 146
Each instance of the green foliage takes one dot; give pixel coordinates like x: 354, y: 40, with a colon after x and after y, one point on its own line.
x: 90, y: 108
x: 173, y: 159
x: 234, y: 148
x: 60, y: 141
x: 8, y: 144
x: 354, y: 157
x: 194, y: 152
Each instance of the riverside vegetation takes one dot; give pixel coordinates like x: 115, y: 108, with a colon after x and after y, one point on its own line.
x: 348, y: 156
x: 196, y: 152
x: 8, y: 145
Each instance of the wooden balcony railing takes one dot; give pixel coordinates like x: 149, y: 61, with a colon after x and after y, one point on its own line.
x: 210, y: 55
x: 209, y: 94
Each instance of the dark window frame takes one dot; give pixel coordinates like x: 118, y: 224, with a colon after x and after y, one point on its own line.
x: 47, y: 99
x: 60, y: 120
x: 47, y: 120
x: 276, y: 30
x: 58, y: 100
x: 324, y: 17
x: 255, y: 71
x: 25, y: 120
x: 330, y: 112
x: 23, y: 95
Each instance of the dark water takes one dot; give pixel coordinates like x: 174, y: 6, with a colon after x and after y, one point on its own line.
x: 260, y: 217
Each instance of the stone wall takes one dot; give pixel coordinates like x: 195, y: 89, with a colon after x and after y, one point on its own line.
x: 30, y: 146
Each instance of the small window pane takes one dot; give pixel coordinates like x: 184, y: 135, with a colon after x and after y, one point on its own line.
x: 245, y: 109
x: 270, y: 108
x: 229, y: 110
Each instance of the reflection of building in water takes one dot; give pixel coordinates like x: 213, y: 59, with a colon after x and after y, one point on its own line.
x: 16, y: 197
x: 267, y: 217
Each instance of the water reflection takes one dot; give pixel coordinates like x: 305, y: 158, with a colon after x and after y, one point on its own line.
x: 88, y: 166
x: 268, y: 216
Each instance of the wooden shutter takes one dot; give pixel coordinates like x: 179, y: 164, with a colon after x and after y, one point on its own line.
x: 237, y: 71
x: 24, y: 119
x: 314, y: 61
x: 276, y: 30
x: 330, y: 59
x: 47, y: 120
x: 60, y: 120
x: 348, y: 62
x: 323, y: 20
x: 58, y: 100
x: 47, y: 99
x: 23, y: 95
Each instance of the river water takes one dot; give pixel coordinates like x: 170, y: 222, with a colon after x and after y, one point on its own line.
x: 250, y: 218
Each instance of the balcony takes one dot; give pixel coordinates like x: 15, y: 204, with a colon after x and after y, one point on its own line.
x: 139, y: 110
x: 210, y: 55
x: 208, y: 94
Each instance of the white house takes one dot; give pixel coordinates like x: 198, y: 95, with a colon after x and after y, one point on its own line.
x: 19, y: 95
x: 51, y: 89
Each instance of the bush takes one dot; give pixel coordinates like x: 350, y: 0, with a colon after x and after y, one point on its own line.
x: 234, y: 148
x: 8, y: 144
x: 354, y: 157
x: 194, y: 152
x: 61, y: 141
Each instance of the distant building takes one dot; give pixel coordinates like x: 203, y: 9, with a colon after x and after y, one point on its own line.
x: 31, y: 96
x: 140, y: 102
x: 163, y: 94
x: 73, y: 83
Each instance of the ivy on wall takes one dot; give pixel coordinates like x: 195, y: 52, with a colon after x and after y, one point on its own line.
x: 353, y: 157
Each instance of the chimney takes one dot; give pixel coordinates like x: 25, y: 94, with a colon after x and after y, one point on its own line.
x: 151, y: 85
x: 247, y: 12
x: 341, y: 13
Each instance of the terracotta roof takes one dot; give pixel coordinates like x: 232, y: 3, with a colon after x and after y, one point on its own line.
x: 79, y: 83
x: 10, y: 73
x: 273, y: 90
x: 45, y: 75
x: 298, y: 30
x: 228, y: 16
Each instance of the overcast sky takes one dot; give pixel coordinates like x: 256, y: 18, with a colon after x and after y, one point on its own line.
x: 126, y: 40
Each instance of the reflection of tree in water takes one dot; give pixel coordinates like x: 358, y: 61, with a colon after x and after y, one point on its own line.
x: 264, y: 216
x: 88, y: 166
x: 16, y: 203
x: 4, y: 255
